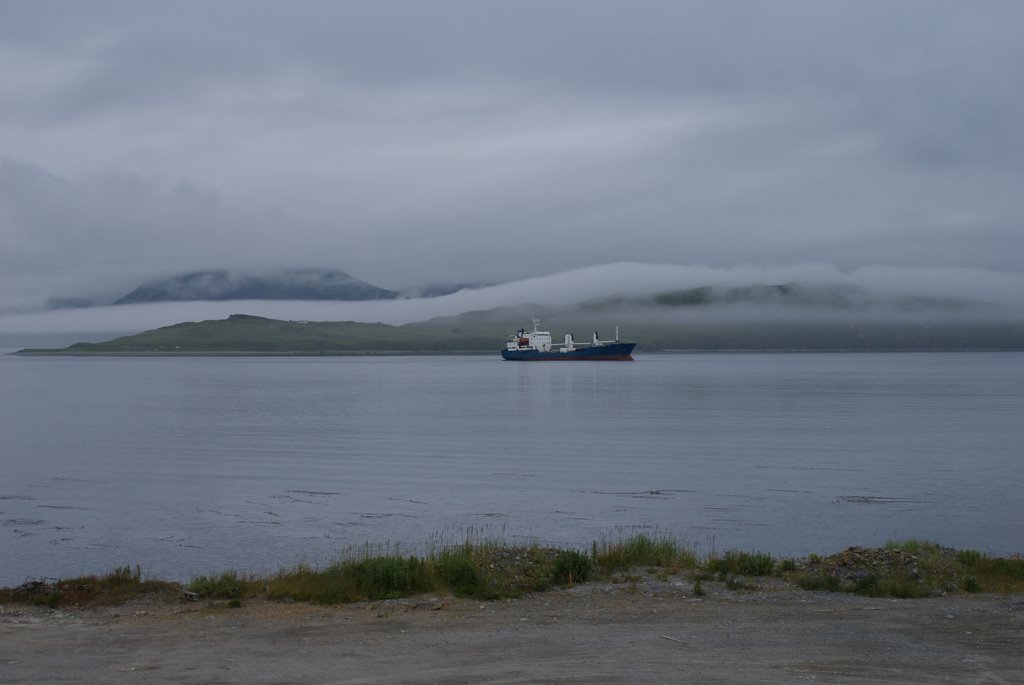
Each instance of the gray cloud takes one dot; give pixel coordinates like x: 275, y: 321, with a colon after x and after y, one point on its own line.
x: 410, y: 143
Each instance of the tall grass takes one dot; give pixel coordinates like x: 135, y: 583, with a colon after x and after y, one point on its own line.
x: 485, y: 568
x: 373, y: 578
x: 572, y: 567
x: 741, y: 563
x: 480, y: 571
x: 987, y: 574
x: 642, y: 550
x: 913, y: 546
x: 225, y: 586
x: 459, y: 570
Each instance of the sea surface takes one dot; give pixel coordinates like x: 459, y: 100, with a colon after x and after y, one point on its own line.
x: 195, y: 465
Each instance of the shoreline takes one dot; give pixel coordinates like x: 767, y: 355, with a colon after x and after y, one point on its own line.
x: 489, y: 570
x: 648, y: 632
x: 644, y: 611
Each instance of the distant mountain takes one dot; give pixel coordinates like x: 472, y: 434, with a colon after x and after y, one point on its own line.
x: 69, y: 303
x: 442, y: 289
x: 818, y: 298
x: 291, y: 284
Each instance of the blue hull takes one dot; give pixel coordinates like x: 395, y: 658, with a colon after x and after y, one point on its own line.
x: 612, y: 352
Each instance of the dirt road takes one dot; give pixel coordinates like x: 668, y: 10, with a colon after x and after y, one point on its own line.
x: 590, y: 634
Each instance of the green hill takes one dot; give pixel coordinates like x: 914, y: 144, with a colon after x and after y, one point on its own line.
x: 485, y: 331
x: 241, y: 333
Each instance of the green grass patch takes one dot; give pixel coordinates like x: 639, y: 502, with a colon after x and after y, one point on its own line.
x: 571, y: 567
x: 982, y: 573
x: 225, y: 586
x: 474, y: 570
x: 641, y: 550
x: 460, y: 571
x: 913, y: 546
x: 306, y: 584
x: 372, y: 578
x: 741, y: 563
x: 970, y: 584
x: 392, y: 577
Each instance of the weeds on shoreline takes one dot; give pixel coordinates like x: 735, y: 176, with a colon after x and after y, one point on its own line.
x: 488, y: 569
x: 642, y: 550
x: 909, y: 569
x: 114, y: 588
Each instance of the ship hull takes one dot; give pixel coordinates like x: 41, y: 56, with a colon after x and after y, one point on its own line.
x: 613, y: 352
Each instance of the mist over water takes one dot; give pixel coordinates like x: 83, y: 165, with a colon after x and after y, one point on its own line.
x: 195, y: 465
x: 881, y: 294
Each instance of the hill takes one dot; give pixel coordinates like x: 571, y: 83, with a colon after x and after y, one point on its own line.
x: 244, y: 334
x: 485, y: 331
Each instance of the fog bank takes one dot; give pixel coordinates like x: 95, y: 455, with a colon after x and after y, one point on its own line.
x: 986, y: 293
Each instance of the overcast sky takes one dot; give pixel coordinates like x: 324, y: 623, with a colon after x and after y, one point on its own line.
x: 410, y: 143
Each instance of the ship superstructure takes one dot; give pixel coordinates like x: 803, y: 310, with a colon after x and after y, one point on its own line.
x: 536, y: 345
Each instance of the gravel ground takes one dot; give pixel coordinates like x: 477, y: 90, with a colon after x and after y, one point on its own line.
x: 637, y: 632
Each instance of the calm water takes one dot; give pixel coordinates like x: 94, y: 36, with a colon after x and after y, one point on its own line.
x: 196, y: 465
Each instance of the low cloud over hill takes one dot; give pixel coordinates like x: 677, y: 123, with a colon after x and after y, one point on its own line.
x: 621, y: 292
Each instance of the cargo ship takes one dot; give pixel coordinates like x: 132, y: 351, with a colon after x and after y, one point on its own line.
x: 535, y: 345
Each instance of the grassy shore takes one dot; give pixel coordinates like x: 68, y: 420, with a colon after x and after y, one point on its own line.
x: 492, y: 569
